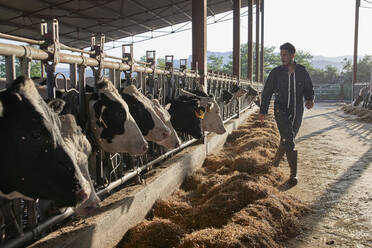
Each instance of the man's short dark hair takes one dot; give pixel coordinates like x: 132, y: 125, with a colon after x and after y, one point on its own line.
x: 289, y: 47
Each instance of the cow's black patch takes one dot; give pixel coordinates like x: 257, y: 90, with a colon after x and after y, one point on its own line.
x: 111, y: 116
x: 226, y: 96
x: 33, y: 156
x: 183, y: 118
x: 200, y: 93
x: 140, y: 114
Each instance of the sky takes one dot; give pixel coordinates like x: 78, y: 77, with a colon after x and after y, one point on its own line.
x: 320, y: 27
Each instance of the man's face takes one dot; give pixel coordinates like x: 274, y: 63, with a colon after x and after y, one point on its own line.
x: 286, y: 57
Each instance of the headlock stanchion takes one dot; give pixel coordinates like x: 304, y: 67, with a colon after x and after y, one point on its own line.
x: 111, y: 169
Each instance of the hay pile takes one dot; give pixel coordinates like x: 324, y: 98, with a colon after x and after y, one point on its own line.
x: 232, y: 201
x: 362, y: 113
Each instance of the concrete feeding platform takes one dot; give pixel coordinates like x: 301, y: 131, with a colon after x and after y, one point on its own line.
x: 129, y: 206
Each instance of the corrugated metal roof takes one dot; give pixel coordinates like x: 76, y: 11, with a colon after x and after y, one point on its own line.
x: 79, y: 19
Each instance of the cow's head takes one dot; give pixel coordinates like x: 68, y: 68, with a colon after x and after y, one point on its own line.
x: 212, y: 121
x: 186, y: 115
x: 142, y: 110
x: 81, y: 148
x: 173, y: 141
x: 113, y: 126
x: 35, y: 160
x: 238, y: 91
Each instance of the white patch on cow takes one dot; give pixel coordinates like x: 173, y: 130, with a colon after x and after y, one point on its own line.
x: 81, y: 148
x: 212, y: 121
x: 173, y: 141
x: 132, y: 140
x: 14, y: 195
x: 160, y: 131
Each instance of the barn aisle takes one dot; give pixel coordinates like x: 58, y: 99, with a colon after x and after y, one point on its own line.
x: 335, y: 175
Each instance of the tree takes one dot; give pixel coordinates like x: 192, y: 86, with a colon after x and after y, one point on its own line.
x: 271, y: 60
x: 215, y: 63
x: 35, y: 68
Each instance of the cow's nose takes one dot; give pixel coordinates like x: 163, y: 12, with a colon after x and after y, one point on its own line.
x: 177, y: 144
x: 81, y: 196
x: 145, y: 147
x: 165, y: 135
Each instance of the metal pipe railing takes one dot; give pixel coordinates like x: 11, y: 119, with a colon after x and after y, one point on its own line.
x: 21, y: 39
x: 30, y: 235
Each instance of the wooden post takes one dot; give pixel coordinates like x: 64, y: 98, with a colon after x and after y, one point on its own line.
x: 250, y: 40
x: 262, y: 73
x: 199, y: 39
x: 355, y: 60
x: 257, y: 40
x: 236, y: 37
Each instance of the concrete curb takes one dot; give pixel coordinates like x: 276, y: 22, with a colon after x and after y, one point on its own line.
x: 108, y: 227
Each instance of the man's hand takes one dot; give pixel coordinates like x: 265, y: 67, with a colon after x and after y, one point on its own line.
x: 309, y: 104
x: 261, y: 117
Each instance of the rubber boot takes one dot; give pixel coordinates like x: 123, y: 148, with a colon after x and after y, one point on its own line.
x: 292, y: 161
x: 278, y: 155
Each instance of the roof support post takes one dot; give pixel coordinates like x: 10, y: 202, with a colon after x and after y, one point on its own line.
x: 199, y: 39
x: 236, y: 38
x: 355, y: 59
x: 257, y: 41
x: 262, y: 73
x: 250, y: 40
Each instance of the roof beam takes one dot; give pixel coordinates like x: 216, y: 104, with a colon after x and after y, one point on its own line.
x: 34, y: 12
x: 151, y: 12
x: 26, y: 14
x: 180, y: 9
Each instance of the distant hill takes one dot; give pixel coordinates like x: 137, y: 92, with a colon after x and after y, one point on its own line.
x: 321, y: 62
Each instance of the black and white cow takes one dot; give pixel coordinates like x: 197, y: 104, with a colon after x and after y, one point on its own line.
x: 112, y: 124
x: 142, y: 110
x: 79, y: 144
x: 173, y: 141
x: 186, y: 115
x: 35, y: 162
x: 212, y: 121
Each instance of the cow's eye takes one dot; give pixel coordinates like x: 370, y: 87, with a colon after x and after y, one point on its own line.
x: 36, y: 135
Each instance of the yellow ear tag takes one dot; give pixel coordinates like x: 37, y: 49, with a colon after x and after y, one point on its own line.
x: 200, y: 114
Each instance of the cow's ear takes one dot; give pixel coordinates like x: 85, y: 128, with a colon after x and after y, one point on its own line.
x: 167, y: 107
x: 57, y: 105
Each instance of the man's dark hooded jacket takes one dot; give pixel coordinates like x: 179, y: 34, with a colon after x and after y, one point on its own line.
x: 288, y: 109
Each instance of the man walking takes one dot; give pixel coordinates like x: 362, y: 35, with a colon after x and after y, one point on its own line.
x: 290, y: 83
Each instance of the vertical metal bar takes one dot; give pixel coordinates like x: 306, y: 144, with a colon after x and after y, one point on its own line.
x: 262, y: 73
x: 257, y: 40
x: 82, y: 102
x: 25, y: 66
x: 250, y: 40
x: 50, y: 81
x: 112, y: 76
x: 199, y: 38
x: 17, y: 213
x: 73, y: 76
x: 236, y: 38
x: 118, y: 79
x: 355, y: 59
x: 42, y: 67
x: 10, y: 69
x: 31, y: 215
